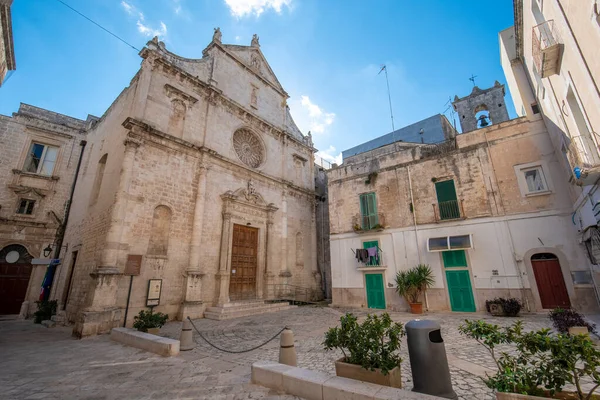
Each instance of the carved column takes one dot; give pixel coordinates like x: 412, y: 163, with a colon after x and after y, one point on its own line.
x: 223, y: 274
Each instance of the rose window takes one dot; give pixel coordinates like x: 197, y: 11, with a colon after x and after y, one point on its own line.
x: 248, y: 148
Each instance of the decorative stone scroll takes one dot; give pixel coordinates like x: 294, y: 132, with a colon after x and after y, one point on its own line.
x: 249, y: 148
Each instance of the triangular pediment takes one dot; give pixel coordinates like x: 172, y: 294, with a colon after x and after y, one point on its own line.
x: 253, y: 58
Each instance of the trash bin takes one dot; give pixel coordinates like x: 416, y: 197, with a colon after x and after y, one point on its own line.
x: 428, y: 361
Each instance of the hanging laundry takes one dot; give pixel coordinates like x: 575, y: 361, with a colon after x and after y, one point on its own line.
x: 362, y: 255
x: 372, y: 252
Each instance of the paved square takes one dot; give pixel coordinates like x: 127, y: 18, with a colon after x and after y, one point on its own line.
x: 41, y: 363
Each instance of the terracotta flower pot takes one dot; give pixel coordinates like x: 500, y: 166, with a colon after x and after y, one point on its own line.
x: 353, y: 371
x: 416, y: 308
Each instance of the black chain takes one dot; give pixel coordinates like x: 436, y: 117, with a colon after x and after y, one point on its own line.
x: 236, y: 351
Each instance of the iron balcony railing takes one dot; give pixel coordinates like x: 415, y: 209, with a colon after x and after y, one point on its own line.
x: 365, y: 223
x: 583, y: 152
x: 547, y: 49
x: 372, y: 261
x: 446, y: 210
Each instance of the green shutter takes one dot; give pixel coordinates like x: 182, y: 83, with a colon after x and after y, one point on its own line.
x: 445, y: 190
x: 454, y: 258
x: 368, y: 211
x: 375, y: 291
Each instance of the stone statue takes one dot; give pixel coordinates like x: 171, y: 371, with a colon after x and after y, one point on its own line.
x: 254, y: 42
x: 251, y: 190
x: 217, y: 35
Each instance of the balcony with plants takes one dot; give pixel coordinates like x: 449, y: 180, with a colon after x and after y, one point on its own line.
x: 368, y: 223
x: 584, y: 157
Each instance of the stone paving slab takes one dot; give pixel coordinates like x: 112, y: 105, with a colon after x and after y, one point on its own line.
x: 37, y: 362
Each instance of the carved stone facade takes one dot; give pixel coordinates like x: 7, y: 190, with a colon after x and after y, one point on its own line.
x: 189, y: 152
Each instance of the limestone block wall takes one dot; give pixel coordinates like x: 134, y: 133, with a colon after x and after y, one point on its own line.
x: 50, y: 193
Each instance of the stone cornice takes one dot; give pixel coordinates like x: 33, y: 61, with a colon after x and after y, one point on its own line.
x: 215, y: 96
x: 146, y: 134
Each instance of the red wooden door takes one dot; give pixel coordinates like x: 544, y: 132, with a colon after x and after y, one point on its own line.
x: 14, y: 279
x: 550, y: 283
x: 244, y: 262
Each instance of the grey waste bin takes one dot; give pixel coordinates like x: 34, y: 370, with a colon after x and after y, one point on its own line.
x: 428, y: 361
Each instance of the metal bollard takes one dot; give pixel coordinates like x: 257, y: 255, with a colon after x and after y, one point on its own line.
x: 186, y: 340
x: 287, y: 351
x: 428, y: 361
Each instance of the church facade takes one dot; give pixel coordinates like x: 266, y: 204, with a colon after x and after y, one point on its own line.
x: 197, y: 180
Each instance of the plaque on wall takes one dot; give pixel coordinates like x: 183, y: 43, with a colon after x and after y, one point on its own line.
x: 154, y: 289
x: 133, y: 265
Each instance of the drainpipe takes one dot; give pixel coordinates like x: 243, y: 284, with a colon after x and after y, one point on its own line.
x: 414, y: 213
x: 60, y: 234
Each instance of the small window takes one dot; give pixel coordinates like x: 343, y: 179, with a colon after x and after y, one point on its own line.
x: 581, y: 277
x: 450, y: 243
x: 41, y: 159
x: 368, y: 211
x: 534, y: 177
x: 25, y: 207
x: 535, y: 108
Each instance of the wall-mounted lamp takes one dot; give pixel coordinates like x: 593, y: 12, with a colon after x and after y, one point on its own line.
x: 47, y: 251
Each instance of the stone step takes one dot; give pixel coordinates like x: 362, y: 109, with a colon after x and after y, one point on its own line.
x: 246, y: 306
x: 233, y: 313
x: 239, y: 303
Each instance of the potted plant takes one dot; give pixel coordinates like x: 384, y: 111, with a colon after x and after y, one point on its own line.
x: 412, y: 283
x: 540, y: 365
x: 570, y: 321
x: 46, y: 309
x: 147, y: 321
x: 371, y: 349
x: 501, y: 307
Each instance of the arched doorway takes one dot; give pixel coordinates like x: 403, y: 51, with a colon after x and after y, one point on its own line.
x: 549, y: 280
x: 15, y: 270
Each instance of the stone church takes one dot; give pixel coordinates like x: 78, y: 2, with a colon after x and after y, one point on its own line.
x: 197, y: 180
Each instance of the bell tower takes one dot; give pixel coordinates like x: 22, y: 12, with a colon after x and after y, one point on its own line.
x: 481, y: 108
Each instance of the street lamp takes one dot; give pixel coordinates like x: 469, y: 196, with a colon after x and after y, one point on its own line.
x: 47, y: 251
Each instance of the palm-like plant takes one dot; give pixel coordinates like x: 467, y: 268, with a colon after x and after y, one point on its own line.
x: 410, y: 284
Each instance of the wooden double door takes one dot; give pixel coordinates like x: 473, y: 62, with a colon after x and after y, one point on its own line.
x: 244, y: 263
x: 550, y: 282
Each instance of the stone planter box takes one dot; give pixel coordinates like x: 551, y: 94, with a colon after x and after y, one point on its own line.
x: 515, y: 396
x: 153, y: 331
x: 353, y: 371
x: 578, y: 330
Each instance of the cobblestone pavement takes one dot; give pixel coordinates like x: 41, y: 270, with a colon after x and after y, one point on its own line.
x: 41, y: 363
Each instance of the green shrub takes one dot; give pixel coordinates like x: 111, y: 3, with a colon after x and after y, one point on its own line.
x: 564, y: 319
x: 373, y: 344
x: 46, y: 309
x: 147, y: 319
x: 542, y: 363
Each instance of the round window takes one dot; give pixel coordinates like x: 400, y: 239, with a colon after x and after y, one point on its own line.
x: 249, y: 148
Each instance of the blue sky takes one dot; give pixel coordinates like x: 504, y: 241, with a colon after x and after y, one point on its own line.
x: 326, y: 54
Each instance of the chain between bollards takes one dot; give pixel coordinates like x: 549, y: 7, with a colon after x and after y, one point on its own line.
x: 231, y: 351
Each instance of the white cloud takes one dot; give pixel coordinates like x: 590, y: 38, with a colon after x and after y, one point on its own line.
x: 329, y: 155
x: 237, y: 39
x: 242, y: 8
x: 146, y: 30
x: 177, y: 6
x: 318, y: 119
x: 143, y: 28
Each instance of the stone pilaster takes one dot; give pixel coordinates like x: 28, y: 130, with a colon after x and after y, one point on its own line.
x: 269, y: 278
x: 192, y: 306
x: 195, y: 245
x: 284, y: 233
x: 119, y: 211
x: 223, y: 275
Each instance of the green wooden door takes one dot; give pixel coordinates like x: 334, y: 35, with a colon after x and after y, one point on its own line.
x: 375, y: 291
x: 460, y: 291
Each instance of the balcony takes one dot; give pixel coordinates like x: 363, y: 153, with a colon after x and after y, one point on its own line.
x: 448, y: 210
x: 583, y: 154
x: 547, y: 49
x: 362, y: 224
